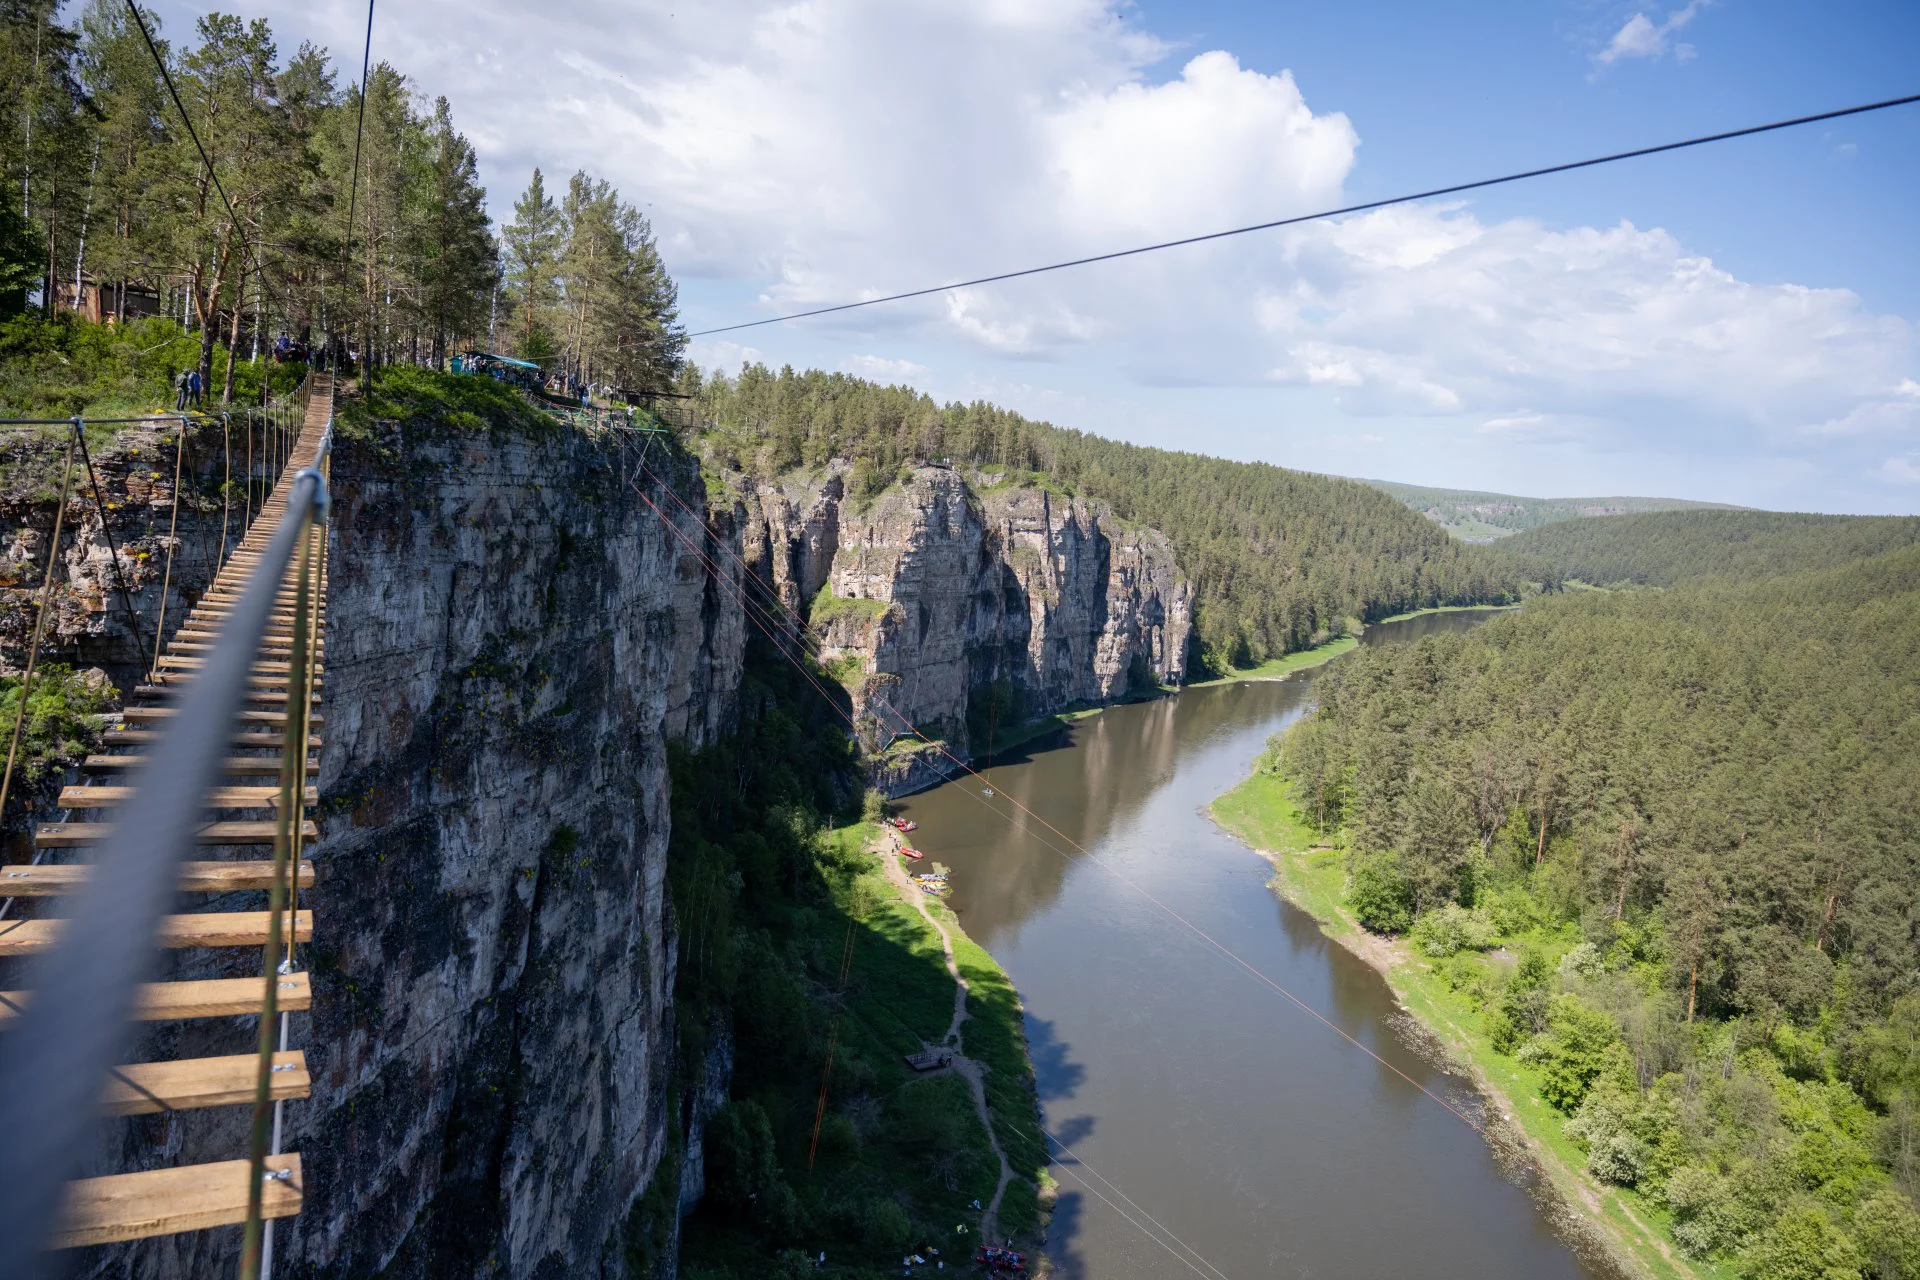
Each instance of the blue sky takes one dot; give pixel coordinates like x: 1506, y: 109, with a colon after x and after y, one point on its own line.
x: 1735, y: 323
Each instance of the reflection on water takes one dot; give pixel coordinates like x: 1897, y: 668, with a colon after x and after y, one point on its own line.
x: 1244, y: 1128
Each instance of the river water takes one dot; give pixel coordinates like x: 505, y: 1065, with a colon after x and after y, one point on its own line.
x: 1231, y: 1120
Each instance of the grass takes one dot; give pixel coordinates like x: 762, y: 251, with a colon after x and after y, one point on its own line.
x: 1262, y: 812
x: 828, y: 608
x: 899, y: 997
x: 1286, y: 664
x: 1445, y: 608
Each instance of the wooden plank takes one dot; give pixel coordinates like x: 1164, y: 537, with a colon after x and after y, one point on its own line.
x: 183, y: 662
x: 232, y: 765
x: 195, y: 877
x: 206, y: 929
x: 147, y: 737
x: 158, y: 1202
x: 266, y: 697
x: 216, y: 798
x: 243, y: 717
x: 188, y: 1084
x: 73, y: 835
x: 202, y: 998
x: 164, y: 683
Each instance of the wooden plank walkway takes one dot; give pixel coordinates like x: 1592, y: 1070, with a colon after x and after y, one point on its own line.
x: 241, y: 810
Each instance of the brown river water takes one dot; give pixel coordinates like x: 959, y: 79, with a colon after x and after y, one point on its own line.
x: 1211, y: 1113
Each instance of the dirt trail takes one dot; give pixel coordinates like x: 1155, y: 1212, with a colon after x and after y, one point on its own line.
x: 965, y: 1067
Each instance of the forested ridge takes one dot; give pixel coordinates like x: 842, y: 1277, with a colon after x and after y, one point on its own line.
x: 1478, y: 516
x: 393, y: 259
x: 1668, y: 844
x: 1663, y: 547
x: 1280, y: 559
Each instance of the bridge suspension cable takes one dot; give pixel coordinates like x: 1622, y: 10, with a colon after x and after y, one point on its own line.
x: 229, y: 705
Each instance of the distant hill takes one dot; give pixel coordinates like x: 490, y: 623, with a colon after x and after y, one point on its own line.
x: 1660, y: 548
x: 1472, y: 516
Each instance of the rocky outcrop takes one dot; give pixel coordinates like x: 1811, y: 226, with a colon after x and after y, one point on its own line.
x: 959, y: 606
x: 513, y: 637
x: 124, y: 546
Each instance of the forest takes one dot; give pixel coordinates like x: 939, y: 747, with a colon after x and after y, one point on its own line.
x: 1280, y: 560
x: 1661, y: 548
x: 345, y: 219
x: 1667, y: 842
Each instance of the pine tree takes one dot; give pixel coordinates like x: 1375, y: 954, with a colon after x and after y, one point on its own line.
x: 450, y: 243
x: 533, y: 241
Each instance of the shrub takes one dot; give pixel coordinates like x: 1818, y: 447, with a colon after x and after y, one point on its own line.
x: 1576, y: 1052
x: 1706, y: 1218
x: 1889, y: 1232
x: 1378, y: 892
x: 1804, y: 1244
x: 1451, y: 929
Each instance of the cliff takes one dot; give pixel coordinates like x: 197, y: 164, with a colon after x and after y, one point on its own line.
x: 960, y: 606
x: 513, y: 637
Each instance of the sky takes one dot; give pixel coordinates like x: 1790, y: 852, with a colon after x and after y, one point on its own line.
x: 1735, y: 323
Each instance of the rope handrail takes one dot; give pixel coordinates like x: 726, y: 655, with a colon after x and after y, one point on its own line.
x: 58, y: 1055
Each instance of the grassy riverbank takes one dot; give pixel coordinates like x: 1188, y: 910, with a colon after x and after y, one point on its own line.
x: 1285, y: 665
x: 1445, y: 608
x: 1310, y: 872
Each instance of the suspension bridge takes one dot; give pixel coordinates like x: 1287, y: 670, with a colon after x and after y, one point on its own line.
x: 215, y: 752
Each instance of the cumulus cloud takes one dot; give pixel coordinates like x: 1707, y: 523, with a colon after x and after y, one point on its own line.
x: 803, y: 152
x: 882, y: 369
x: 1901, y: 470
x: 1642, y: 37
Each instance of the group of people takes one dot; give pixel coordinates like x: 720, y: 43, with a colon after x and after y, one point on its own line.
x: 188, y: 390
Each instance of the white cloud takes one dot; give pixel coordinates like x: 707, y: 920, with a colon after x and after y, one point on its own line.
x: 882, y: 369
x: 1642, y: 37
x: 722, y: 355
x: 1900, y: 470
x: 805, y: 152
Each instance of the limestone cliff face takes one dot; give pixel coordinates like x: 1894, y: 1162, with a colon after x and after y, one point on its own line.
x: 513, y: 636
x: 954, y: 604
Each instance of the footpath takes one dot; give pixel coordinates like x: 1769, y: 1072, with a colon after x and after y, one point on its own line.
x: 957, y: 1061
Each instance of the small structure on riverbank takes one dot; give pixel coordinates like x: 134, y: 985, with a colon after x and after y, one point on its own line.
x: 929, y: 1059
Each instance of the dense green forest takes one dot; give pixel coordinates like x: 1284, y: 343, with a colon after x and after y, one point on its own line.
x: 1668, y: 843
x: 1661, y: 548
x: 1473, y: 515
x: 115, y: 217
x: 793, y: 946
x: 1280, y: 559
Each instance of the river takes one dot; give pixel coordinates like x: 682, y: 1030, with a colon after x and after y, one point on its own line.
x: 1260, y: 1139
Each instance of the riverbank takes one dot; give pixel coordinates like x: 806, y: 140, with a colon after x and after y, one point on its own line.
x: 1310, y: 873
x: 986, y: 1038
x: 1447, y: 608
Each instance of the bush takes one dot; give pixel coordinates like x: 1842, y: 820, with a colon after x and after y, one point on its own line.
x: 1378, y: 892
x: 1803, y: 1244
x: 1706, y: 1217
x: 1451, y: 929
x: 1889, y: 1232
x: 884, y: 1224
x: 1576, y: 1052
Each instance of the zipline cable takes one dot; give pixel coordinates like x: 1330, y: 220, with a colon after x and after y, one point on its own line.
x: 1363, y: 207
x: 353, y: 185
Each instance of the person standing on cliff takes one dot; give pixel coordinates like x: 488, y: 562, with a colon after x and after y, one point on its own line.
x: 180, y: 391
